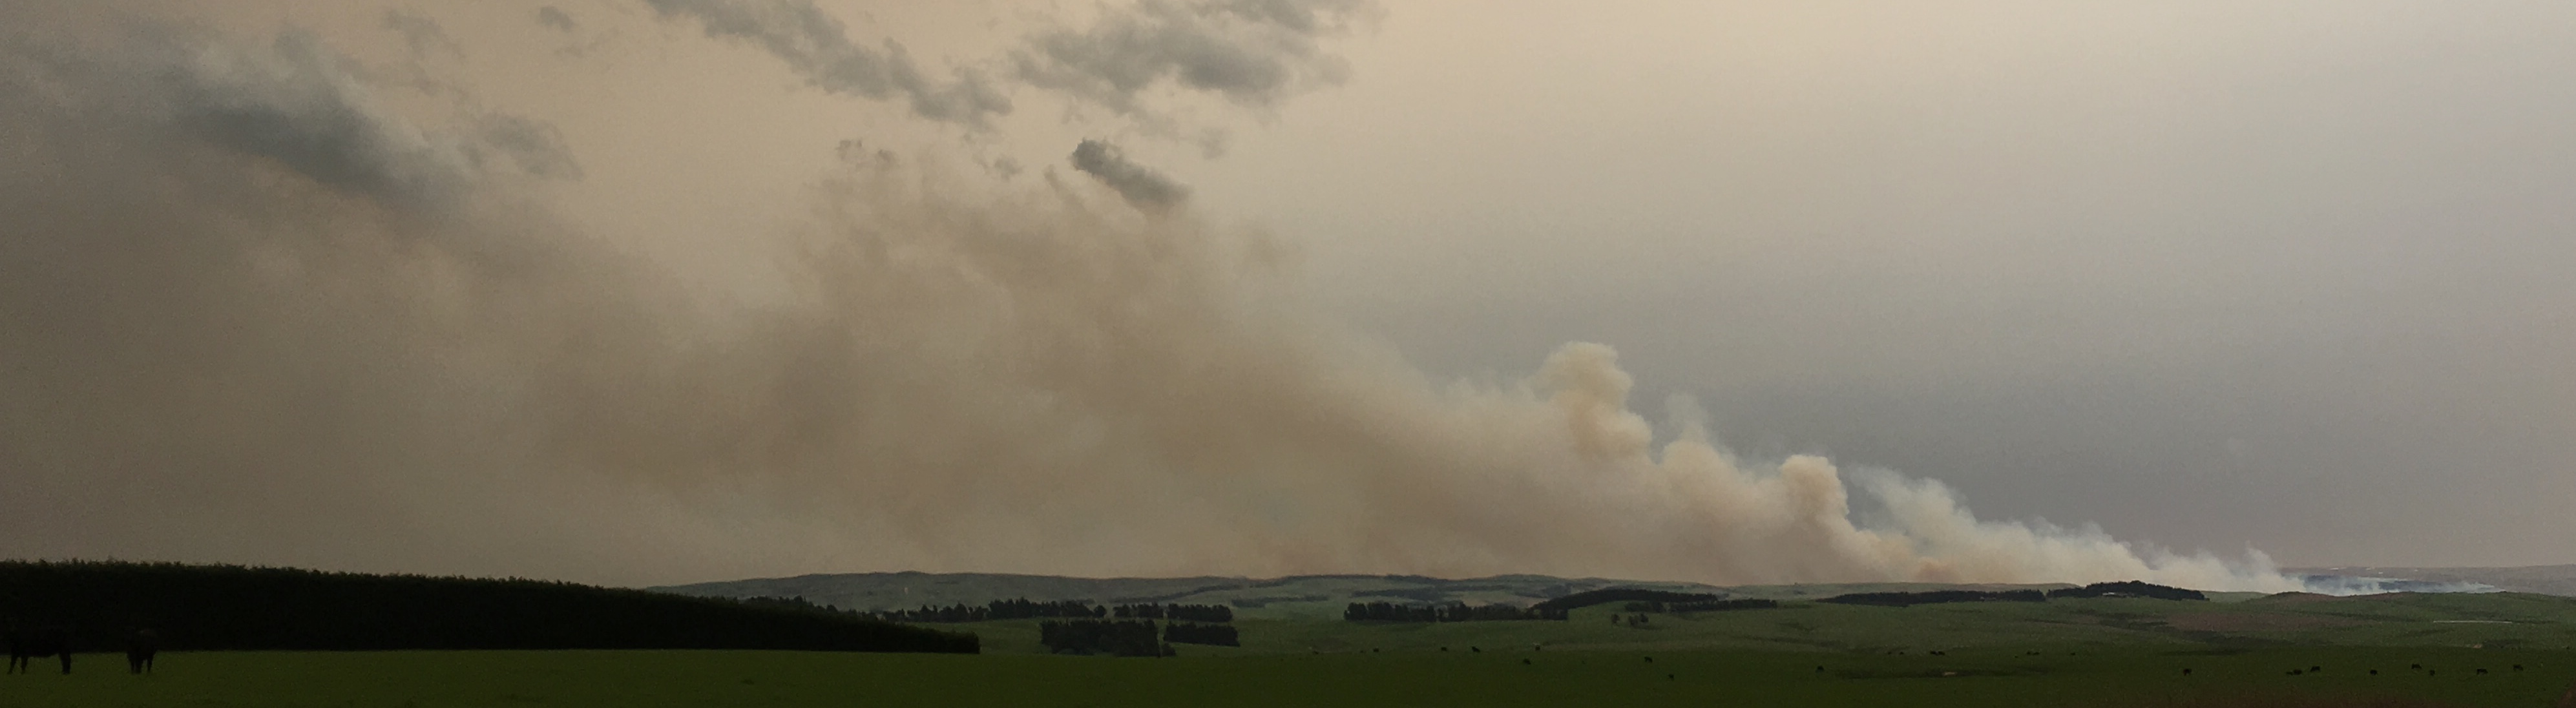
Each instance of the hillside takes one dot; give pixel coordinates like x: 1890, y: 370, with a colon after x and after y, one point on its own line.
x: 2541, y: 579
x: 1300, y: 596
x: 1305, y: 596
x: 200, y: 607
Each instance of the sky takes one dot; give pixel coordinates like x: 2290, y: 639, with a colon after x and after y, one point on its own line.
x: 681, y: 290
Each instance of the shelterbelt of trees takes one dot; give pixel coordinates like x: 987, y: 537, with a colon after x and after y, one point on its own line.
x: 220, y: 607
x: 1061, y: 609
x: 1452, y: 612
x: 1589, y: 598
x: 2128, y: 588
x: 1703, y: 605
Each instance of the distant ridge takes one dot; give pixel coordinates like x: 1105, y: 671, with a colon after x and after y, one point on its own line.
x: 1310, y: 596
x: 2537, y: 579
x: 1314, y: 595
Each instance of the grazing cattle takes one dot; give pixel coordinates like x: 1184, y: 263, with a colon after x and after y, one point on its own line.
x: 139, y: 650
x: 25, y: 646
x: 2568, y: 700
x: 2482, y: 671
x: 2186, y: 672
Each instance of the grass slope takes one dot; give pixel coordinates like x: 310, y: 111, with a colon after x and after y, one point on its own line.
x: 643, y: 679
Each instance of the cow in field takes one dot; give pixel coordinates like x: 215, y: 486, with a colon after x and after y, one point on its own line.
x: 26, y: 645
x: 139, y: 650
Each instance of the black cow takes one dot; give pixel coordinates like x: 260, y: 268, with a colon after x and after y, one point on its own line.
x: 25, y: 646
x: 139, y: 649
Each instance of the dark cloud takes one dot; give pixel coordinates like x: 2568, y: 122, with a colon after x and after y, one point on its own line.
x: 1141, y: 186
x: 551, y: 16
x: 422, y: 34
x: 298, y: 104
x: 817, y: 46
x: 535, y: 146
x: 1255, y: 53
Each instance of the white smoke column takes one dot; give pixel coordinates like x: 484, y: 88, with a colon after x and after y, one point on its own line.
x: 252, y: 316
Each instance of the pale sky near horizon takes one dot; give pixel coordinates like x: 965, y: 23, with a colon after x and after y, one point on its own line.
x: 2291, y: 276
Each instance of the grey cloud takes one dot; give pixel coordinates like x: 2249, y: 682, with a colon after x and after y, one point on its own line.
x: 422, y: 34
x: 1253, y: 52
x: 299, y: 104
x: 551, y: 16
x: 295, y: 102
x: 536, y: 146
x: 1142, y: 187
x: 817, y: 47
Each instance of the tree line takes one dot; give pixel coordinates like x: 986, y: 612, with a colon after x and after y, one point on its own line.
x: 1192, y: 613
x: 226, y: 607
x: 1451, y: 612
x: 1933, y: 597
x: 2129, y: 588
x: 1703, y: 605
x: 1021, y: 608
x: 2125, y: 588
x: 1589, y: 598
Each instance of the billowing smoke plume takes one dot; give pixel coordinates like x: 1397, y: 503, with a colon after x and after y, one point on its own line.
x: 1142, y: 187
x: 249, y: 315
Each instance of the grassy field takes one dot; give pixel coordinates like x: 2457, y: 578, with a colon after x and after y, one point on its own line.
x: 2490, y: 621
x: 1492, y: 678
x: 2067, y: 652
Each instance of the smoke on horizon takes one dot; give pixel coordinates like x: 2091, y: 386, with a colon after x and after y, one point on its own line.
x: 250, y: 314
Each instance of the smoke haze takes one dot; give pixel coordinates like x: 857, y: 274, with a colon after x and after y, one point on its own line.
x: 254, y: 312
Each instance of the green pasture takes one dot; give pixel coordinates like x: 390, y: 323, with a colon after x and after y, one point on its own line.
x: 2067, y: 652
x: 2490, y: 621
x: 2057, y: 676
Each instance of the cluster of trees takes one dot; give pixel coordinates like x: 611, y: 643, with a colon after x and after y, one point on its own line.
x: 1703, y: 605
x: 1192, y: 613
x: 797, y: 603
x: 1099, y: 636
x: 1021, y: 608
x: 2130, y: 588
x: 2126, y: 588
x: 1079, y: 627
x: 222, y: 607
x: 1222, y: 635
x: 1589, y: 598
x: 1452, y: 612
x: 1934, y: 597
